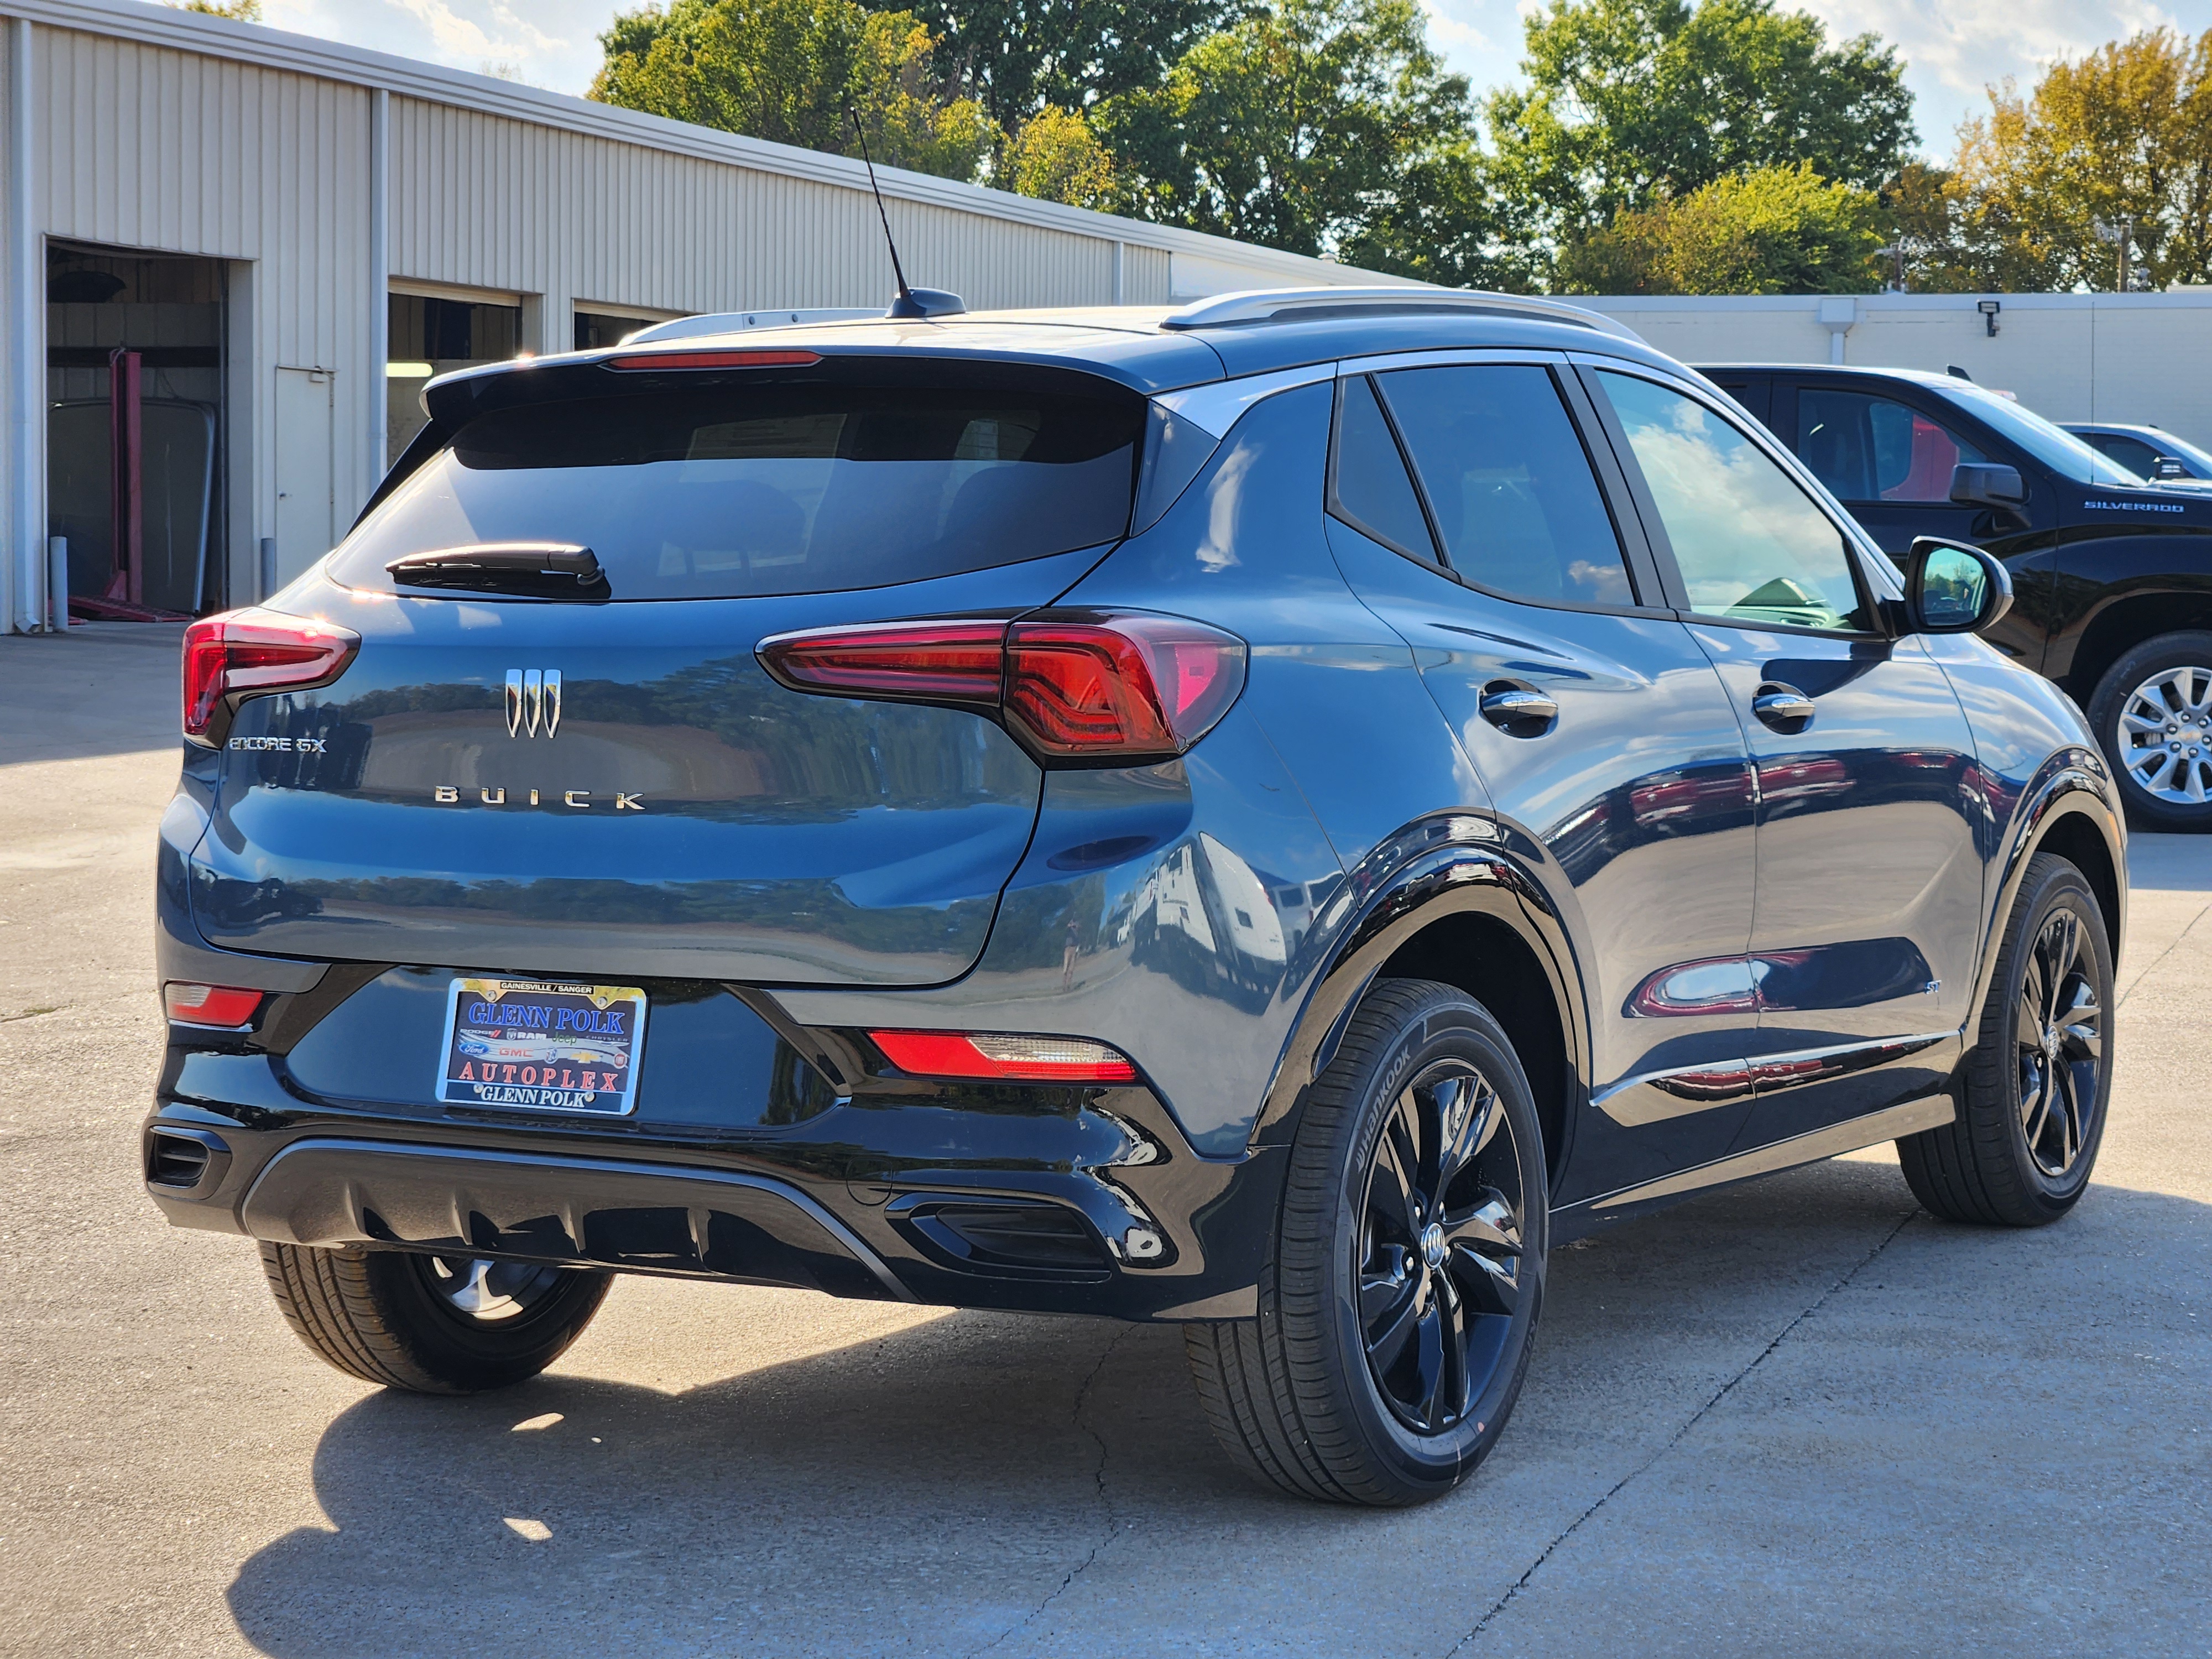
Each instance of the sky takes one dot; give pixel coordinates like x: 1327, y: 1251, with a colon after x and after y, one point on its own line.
x: 1952, y: 48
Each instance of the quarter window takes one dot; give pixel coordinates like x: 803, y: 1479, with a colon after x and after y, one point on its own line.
x: 1874, y: 449
x: 1750, y: 543
x: 1509, y: 485
x: 1373, y: 492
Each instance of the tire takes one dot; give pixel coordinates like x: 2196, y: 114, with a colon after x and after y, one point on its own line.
x: 1414, y: 1211
x: 404, y: 1321
x: 2151, y: 714
x: 2031, y: 1113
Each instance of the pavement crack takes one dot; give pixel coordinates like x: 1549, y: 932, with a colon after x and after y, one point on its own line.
x: 1675, y: 1438
x: 2179, y: 939
x: 1105, y: 1503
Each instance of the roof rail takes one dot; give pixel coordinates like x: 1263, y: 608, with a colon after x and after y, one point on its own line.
x: 736, y: 322
x: 1289, y: 304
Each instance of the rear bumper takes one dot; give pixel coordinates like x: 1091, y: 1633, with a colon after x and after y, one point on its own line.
x: 1096, y: 1207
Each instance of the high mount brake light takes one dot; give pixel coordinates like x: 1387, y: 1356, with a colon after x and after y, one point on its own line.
x: 1003, y: 1057
x: 683, y: 360
x: 251, y: 653
x: 1081, y: 686
x: 230, y: 1007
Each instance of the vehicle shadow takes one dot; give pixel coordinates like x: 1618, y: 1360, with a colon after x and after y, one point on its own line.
x: 931, y: 1491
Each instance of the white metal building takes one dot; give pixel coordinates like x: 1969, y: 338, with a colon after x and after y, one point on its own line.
x: 287, y: 235
x: 2141, y: 359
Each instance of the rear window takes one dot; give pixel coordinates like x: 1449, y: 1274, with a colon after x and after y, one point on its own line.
x: 735, y: 491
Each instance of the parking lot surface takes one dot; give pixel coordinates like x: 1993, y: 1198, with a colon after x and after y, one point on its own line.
x: 1796, y: 1416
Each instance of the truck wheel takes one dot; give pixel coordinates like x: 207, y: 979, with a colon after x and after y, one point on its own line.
x: 2152, y: 713
x: 431, y: 1324
x: 2036, y: 1085
x: 1396, y: 1313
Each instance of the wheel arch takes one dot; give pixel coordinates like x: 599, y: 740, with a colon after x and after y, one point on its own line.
x: 1469, y: 917
x: 2127, y: 620
x: 2069, y: 808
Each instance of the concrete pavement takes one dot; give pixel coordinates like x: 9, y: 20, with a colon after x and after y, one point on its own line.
x: 1799, y: 1415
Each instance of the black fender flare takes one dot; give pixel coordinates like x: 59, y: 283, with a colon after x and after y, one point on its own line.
x: 2073, y: 783
x: 1417, y: 883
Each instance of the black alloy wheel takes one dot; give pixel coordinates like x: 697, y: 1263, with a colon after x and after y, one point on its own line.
x: 2059, y: 1033
x: 1397, y: 1313
x: 2034, y: 1090
x: 1440, y: 1244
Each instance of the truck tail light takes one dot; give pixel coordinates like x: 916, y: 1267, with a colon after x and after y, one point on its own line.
x: 1003, y: 1057
x: 229, y: 1006
x: 251, y: 653
x: 1079, y: 686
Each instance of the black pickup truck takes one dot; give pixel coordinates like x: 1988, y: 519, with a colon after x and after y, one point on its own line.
x: 2111, y: 573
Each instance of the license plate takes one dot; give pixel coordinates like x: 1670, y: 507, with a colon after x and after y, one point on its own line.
x: 542, y: 1045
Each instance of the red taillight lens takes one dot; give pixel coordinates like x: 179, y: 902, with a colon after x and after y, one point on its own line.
x: 247, y: 652
x: 931, y: 662
x: 1085, y: 686
x: 763, y: 359
x: 227, y: 1005
x: 1003, y: 1057
x: 1126, y: 686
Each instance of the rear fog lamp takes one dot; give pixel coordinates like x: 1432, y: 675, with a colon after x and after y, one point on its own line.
x: 228, y: 1006
x: 1003, y: 1057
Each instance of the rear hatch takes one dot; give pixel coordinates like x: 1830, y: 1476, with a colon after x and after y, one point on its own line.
x: 610, y: 784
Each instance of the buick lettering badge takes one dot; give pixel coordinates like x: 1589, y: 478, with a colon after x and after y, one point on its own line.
x: 533, y: 707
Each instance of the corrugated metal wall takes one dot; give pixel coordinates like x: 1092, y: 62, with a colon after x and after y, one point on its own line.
x: 492, y: 202
x: 145, y: 147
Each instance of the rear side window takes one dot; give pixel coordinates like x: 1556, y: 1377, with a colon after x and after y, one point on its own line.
x: 1867, y: 448
x: 1508, y: 482
x: 1372, y: 491
x: 736, y: 491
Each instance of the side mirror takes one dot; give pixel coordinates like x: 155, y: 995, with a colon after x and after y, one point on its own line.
x: 1987, y: 484
x: 1953, y: 588
x: 2166, y: 467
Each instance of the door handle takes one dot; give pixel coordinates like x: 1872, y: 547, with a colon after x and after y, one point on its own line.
x: 1517, y: 711
x: 1783, y: 707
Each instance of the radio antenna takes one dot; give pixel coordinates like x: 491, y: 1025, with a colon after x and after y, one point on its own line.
x: 906, y: 305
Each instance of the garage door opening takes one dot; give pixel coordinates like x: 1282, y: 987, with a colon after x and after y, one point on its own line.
x: 136, y: 426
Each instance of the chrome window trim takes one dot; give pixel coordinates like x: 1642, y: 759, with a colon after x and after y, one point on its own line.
x: 1217, y: 405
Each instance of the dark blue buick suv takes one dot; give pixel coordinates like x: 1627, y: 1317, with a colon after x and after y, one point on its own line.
x: 1270, y: 816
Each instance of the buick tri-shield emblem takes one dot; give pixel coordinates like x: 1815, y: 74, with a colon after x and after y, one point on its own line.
x: 533, y: 699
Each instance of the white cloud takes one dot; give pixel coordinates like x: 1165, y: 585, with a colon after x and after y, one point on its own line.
x: 1954, y: 49
x: 552, y: 42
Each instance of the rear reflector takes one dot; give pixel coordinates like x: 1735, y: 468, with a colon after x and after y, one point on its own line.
x: 251, y: 653
x: 681, y: 360
x: 1003, y: 1057
x: 228, y: 1007
x: 1081, y: 686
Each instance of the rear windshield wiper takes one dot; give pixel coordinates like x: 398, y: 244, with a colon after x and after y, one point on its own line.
x: 537, y: 570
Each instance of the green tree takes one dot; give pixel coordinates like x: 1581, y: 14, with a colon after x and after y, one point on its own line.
x: 1317, y: 126
x: 790, y: 70
x: 1631, y: 101
x: 239, y: 11
x: 2118, y: 142
x: 1768, y: 230
x: 1055, y: 155
x: 1016, y: 56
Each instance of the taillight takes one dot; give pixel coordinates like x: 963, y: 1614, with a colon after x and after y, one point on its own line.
x: 1003, y: 1057
x: 243, y: 654
x: 229, y: 1006
x: 1073, y: 686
